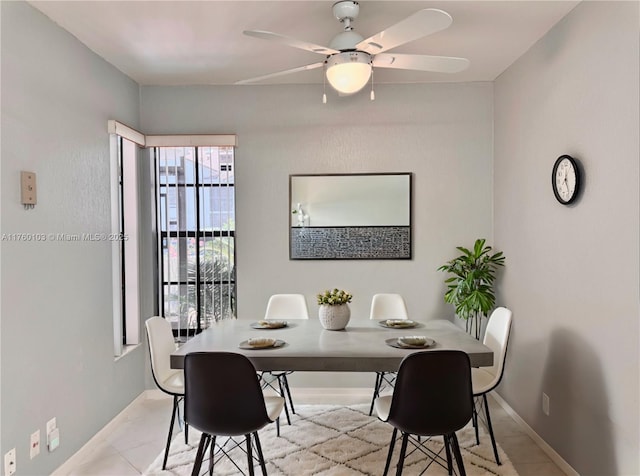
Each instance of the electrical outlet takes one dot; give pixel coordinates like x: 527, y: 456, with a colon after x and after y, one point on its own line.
x: 53, y: 435
x: 10, y: 462
x: 51, y: 425
x: 34, y: 447
x: 53, y: 440
x: 545, y: 403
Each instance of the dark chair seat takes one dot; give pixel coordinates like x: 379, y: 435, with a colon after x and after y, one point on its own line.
x: 223, y: 397
x: 432, y: 397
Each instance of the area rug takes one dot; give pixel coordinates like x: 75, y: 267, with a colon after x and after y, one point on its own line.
x: 331, y: 440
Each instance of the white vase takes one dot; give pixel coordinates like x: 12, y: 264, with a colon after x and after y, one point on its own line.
x: 334, y: 317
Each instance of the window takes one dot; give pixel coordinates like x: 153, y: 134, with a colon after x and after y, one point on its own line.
x: 124, y: 240
x: 196, y: 223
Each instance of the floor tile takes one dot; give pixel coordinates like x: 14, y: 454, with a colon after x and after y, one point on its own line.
x: 141, y: 456
x: 538, y: 469
x: 522, y: 449
x: 111, y: 465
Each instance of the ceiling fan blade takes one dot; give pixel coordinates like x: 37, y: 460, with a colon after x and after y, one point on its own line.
x: 422, y: 23
x: 303, y: 45
x: 281, y: 73
x: 437, y: 64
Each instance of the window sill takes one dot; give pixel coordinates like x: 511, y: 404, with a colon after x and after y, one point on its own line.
x: 126, y: 349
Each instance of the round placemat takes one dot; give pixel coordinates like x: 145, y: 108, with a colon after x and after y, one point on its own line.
x: 394, y: 343
x: 273, y: 325
x: 245, y: 345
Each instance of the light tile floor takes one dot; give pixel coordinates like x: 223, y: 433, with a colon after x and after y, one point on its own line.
x: 130, y: 446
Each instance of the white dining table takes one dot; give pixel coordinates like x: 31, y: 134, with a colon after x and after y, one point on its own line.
x: 360, y: 347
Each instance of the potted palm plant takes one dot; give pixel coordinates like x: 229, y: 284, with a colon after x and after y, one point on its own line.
x: 470, y: 286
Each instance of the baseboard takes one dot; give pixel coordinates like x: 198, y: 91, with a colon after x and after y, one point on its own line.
x: 84, y: 453
x: 544, y: 446
x: 331, y: 395
x: 333, y: 391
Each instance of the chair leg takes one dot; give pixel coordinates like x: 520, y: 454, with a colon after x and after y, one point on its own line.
x: 173, y: 420
x: 457, y: 454
x: 197, y: 464
x: 183, y: 424
x: 286, y: 410
x: 447, y: 448
x: 249, y: 454
x: 278, y: 426
x: 285, y: 381
x: 474, y: 419
x: 375, y: 392
x: 260, y: 456
x: 403, y: 452
x: 391, y: 445
x: 181, y: 415
x: 493, y: 440
x: 212, y: 454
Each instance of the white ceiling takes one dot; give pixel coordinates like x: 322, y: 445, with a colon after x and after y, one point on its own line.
x: 201, y: 42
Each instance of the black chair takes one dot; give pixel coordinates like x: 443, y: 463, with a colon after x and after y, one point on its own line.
x: 432, y: 397
x: 223, y: 398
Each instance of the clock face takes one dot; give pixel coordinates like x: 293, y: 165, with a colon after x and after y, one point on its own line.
x: 565, y: 179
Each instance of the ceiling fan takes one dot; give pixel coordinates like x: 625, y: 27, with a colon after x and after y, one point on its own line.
x: 350, y: 59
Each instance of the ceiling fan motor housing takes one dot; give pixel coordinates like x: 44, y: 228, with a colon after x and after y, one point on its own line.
x: 345, y: 41
x: 346, y: 10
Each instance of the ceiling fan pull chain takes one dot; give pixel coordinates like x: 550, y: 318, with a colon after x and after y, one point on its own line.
x: 373, y: 94
x: 324, y: 89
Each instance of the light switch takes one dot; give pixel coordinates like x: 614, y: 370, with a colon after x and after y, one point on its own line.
x: 28, y: 181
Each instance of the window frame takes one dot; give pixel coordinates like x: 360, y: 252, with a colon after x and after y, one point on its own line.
x: 124, y: 243
x: 200, y: 232
x: 121, y: 318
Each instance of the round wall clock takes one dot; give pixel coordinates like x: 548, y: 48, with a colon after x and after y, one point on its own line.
x: 565, y: 179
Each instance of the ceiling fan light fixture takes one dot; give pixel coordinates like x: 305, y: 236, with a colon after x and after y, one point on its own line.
x: 348, y: 72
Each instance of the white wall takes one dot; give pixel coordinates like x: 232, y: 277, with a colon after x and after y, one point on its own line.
x: 571, y: 275
x: 57, y: 332
x: 440, y: 132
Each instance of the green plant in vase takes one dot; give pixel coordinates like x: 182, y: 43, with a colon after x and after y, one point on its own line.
x: 337, y: 296
x: 470, y: 286
x: 334, y: 312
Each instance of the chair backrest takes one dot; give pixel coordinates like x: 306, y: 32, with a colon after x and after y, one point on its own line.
x: 161, y: 345
x: 223, y: 394
x: 433, y: 393
x: 497, y: 337
x: 388, y: 306
x: 287, y: 306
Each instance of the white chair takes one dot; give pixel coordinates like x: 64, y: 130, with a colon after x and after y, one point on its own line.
x: 485, y: 379
x: 386, y: 306
x: 170, y: 381
x: 285, y: 307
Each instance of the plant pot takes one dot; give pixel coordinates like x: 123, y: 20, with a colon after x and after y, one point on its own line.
x: 334, y: 317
